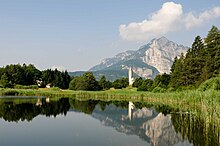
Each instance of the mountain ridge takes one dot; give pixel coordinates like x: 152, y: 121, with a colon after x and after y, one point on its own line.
x: 149, y: 60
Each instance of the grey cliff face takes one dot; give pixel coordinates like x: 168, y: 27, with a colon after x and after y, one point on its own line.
x: 161, y: 54
x: 151, y: 59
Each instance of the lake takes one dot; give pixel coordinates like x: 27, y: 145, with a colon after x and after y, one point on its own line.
x: 70, y: 122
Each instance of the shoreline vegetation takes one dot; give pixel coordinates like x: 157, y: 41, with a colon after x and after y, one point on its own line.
x: 205, y: 103
x: 192, y: 104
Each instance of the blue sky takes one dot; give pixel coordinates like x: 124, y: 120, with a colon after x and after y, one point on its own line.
x: 78, y: 34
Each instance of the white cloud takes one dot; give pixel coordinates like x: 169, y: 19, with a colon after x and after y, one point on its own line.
x: 169, y: 18
x: 191, y: 20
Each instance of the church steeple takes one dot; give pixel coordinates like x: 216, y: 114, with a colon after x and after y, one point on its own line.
x: 130, y: 77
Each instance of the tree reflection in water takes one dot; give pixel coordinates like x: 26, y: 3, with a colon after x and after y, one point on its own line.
x: 15, y: 111
x: 196, y: 129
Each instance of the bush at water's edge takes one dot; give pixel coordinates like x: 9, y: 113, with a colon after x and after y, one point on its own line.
x: 213, y: 84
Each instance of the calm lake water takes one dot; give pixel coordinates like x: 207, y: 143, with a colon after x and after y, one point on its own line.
x: 69, y: 122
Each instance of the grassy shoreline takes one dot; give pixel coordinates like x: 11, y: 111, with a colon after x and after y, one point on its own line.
x: 206, y: 103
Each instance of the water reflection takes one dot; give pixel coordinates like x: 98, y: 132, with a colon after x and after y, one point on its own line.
x: 22, y: 109
x: 150, y: 125
x: 154, y: 124
x: 130, y: 109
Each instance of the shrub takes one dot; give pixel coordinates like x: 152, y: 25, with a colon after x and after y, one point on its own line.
x: 213, y: 84
x: 159, y: 90
x: 171, y: 89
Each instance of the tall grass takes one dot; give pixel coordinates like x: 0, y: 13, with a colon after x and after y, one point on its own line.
x: 204, y: 103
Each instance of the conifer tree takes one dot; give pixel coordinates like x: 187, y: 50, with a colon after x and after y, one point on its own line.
x: 194, y: 62
x: 212, y: 44
x: 177, y: 72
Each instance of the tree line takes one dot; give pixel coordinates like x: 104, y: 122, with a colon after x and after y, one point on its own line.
x: 88, y: 82
x: 16, y: 74
x: 25, y: 76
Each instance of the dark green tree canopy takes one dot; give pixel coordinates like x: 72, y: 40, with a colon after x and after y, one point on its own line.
x: 201, y: 62
x: 120, y: 83
x: 17, y: 74
x: 104, y: 85
x: 86, y: 82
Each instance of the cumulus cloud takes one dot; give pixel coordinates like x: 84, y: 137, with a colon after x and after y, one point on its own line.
x: 191, y: 20
x: 169, y: 18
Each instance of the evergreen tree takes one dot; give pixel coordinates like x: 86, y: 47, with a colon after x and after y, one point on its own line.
x: 212, y: 44
x: 177, y: 74
x: 194, y: 62
x: 56, y: 78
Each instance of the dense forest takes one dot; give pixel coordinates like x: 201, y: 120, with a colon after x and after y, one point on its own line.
x: 199, y: 67
x: 27, y: 75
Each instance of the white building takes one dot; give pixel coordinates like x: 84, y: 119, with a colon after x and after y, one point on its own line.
x: 130, y: 109
x: 130, y: 77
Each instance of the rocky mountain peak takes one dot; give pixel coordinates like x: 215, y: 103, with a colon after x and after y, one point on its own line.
x: 162, y: 41
x: 155, y: 57
x: 161, y: 54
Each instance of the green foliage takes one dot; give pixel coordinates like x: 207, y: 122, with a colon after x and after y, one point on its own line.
x: 161, y: 80
x: 4, y: 82
x: 78, y: 83
x: 10, y: 93
x: 26, y: 87
x: 120, y: 83
x: 171, y: 89
x: 91, y: 81
x: 158, y: 90
x: 57, y: 78
x: 26, y: 75
x: 138, y: 82
x: 146, y: 85
x: 200, y: 63
x: 177, y: 72
x: 86, y: 82
x: 22, y: 75
x: 104, y: 85
x: 211, y: 84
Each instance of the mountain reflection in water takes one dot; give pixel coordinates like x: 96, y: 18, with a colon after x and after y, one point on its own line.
x: 157, y: 125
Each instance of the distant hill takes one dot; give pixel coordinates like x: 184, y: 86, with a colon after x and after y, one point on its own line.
x: 149, y: 60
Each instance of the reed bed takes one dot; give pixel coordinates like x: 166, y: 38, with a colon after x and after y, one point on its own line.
x: 204, y: 103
